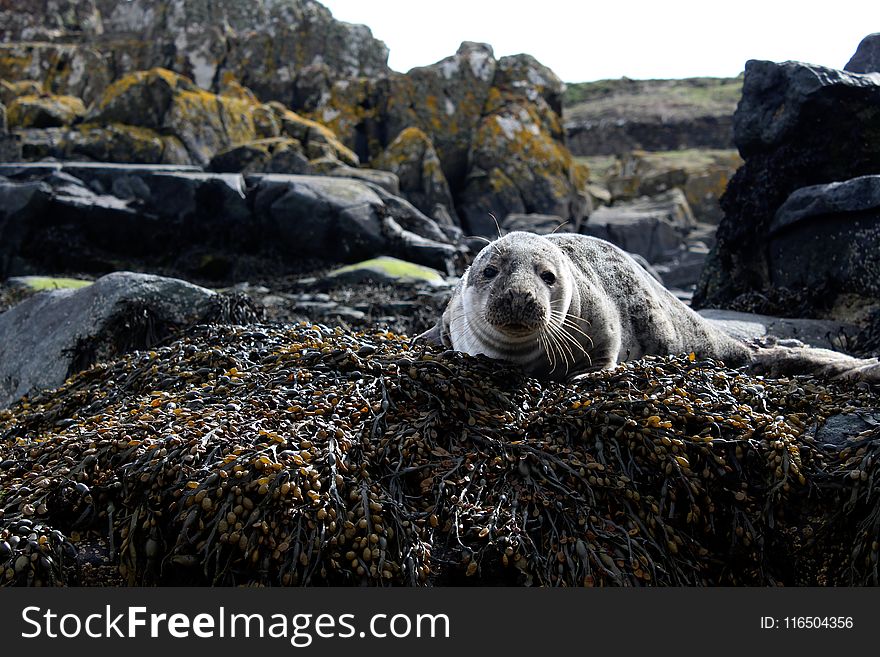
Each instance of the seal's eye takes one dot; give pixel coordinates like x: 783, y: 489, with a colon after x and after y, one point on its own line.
x: 490, y: 272
x: 548, y: 277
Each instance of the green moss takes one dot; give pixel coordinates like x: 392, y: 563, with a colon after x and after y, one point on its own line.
x: 391, y: 268
x: 41, y: 283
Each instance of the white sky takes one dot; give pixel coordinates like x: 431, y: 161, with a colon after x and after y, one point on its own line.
x: 584, y: 41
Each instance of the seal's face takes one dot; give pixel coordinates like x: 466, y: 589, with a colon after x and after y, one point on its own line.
x: 515, y: 295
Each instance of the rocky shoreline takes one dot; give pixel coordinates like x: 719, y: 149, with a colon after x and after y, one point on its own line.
x: 211, y: 270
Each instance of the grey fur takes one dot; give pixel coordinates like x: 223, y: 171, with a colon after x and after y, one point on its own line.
x: 601, y: 309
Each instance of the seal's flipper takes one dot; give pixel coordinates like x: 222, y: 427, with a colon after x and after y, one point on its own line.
x: 783, y: 361
x: 431, y: 336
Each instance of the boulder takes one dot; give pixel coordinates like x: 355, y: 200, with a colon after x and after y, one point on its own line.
x: 47, y: 337
x: 45, y: 111
x: 867, y: 56
x: 340, y: 220
x: 518, y: 162
x: 169, y: 103
x: 826, y: 238
x: 797, y: 125
x: 412, y: 158
x: 655, y: 228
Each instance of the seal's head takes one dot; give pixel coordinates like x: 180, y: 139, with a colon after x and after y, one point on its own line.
x: 514, y: 301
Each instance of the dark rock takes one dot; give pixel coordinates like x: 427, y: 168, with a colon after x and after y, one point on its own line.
x: 867, y: 56
x: 342, y: 220
x: 839, y: 430
x: 3, y: 124
x: 82, y: 217
x: 797, y: 125
x: 384, y: 179
x: 52, y: 335
x: 827, y: 238
x: 654, y: 228
x: 273, y: 155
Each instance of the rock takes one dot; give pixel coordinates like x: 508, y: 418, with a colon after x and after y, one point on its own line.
x: 682, y: 271
x: 518, y: 161
x: 827, y: 238
x: 9, y: 91
x: 412, y: 158
x: 86, y: 217
x: 64, y: 69
x: 50, y: 20
x: 447, y: 100
x: 384, y: 179
x: 163, y: 101
x: 3, y: 123
x: 867, y: 56
x: 797, y: 125
x: 206, y: 40
x: 48, y: 337
x: 341, y: 220
x: 494, y: 124
x: 702, y: 175
x: 654, y: 228
x: 45, y: 111
x: 387, y: 270
x: 748, y: 326
x: 273, y: 155
x: 541, y: 224
x: 113, y: 143
x: 318, y: 140
x: 839, y: 430
x: 10, y: 148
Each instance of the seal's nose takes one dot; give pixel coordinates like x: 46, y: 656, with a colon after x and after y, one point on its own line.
x: 516, y: 309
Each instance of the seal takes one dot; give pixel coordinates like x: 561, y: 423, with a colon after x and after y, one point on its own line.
x: 562, y: 305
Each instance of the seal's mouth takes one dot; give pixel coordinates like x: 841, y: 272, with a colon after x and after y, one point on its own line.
x: 517, y: 329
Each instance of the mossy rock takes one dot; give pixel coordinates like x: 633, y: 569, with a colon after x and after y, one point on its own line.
x: 318, y: 140
x: 515, y: 155
x: 413, y: 159
x: 45, y: 111
x: 10, y: 90
x: 387, y: 269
